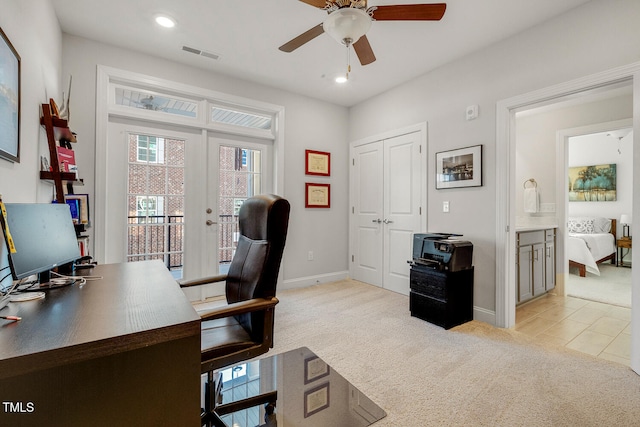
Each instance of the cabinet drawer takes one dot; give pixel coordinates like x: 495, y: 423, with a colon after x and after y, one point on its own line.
x: 530, y: 237
x: 429, y: 283
x: 549, y: 234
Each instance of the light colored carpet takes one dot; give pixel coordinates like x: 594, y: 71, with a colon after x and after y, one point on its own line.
x: 613, y: 286
x: 471, y: 375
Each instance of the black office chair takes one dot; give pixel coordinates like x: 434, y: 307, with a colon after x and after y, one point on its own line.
x: 243, y: 328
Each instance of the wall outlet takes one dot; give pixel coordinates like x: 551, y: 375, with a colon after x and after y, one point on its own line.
x: 310, y: 256
x: 445, y: 206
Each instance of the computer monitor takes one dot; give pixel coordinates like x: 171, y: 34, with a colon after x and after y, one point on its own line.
x: 44, y: 238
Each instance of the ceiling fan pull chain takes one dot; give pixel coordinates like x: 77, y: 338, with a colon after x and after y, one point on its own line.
x: 348, y: 61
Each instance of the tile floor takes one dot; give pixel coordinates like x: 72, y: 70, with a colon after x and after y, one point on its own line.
x: 595, y: 328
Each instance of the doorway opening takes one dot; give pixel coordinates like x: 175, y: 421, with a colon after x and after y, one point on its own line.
x: 506, y: 184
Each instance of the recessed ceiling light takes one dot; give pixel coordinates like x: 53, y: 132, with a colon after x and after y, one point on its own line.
x: 341, y: 79
x: 165, y: 21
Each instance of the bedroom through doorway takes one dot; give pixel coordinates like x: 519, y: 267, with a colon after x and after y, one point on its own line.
x: 591, y: 314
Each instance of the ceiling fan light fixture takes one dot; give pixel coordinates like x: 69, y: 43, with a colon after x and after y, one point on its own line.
x: 341, y: 79
x: 347, y: 25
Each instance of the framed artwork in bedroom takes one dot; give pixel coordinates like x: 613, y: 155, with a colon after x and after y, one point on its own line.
x: 596, y: 183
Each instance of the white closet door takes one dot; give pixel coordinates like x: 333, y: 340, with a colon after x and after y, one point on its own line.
x: 386, y: 210
x: 368, y: 208
x: 401, y: 208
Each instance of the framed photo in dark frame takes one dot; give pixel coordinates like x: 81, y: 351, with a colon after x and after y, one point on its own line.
x: 459, y: 168
x: 9, y: 100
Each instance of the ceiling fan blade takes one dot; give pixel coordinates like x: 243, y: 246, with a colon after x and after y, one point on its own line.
x: 315, y: 3
x: 303, y: 38
x: 364, y: 51
x: 409, y: 12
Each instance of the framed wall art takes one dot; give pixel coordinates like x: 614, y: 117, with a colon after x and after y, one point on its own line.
x: 596, y: 183
x: 9, y: 100
x: 317, y: 163
x: 459, y: 168
x: 317, y: 195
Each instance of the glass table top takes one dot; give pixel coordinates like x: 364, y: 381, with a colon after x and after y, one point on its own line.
x: 303, y: 391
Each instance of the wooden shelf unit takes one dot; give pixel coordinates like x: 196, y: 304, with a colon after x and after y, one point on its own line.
x: 56, y: 129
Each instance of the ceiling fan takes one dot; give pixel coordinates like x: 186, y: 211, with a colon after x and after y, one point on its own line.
x: 349, y: 20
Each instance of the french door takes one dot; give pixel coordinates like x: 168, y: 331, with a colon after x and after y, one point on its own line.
x: 174, y: 195
x: 386, y: 200
x: 152, y: 198
x: 237, y: 168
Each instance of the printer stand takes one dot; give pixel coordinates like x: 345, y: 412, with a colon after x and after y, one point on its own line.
x: 441, y: 297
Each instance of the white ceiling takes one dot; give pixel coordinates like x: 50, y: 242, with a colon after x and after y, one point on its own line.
x: 247, y: 33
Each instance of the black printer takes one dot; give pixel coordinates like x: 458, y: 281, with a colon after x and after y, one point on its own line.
x: 442, y: 251
x: 441, y: 279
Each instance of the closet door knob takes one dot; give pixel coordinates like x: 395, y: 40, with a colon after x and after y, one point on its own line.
x: 387, y: 221
x: 376, y: 220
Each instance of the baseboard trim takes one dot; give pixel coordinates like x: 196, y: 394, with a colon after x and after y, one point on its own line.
x: 303, y: 282
x: 484, y: 315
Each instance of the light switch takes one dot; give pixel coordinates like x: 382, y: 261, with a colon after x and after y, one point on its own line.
x: 445, y: 206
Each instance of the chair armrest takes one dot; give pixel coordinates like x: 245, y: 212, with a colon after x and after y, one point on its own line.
x: 241, y: 307
x: 202, y: 281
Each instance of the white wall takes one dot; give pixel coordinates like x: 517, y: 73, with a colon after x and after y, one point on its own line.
x: 597, y: 36
x: 309, y: 124
x: 32, y: 28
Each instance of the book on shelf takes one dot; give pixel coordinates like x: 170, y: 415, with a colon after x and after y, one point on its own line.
x: 82, y: 201
x: 74, y: 206
x: 66, y: 160
x: 83, y: 245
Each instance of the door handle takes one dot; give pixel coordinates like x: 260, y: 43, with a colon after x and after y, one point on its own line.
x: 376, y: 220
x: 210, y: 222
x: 387, y: 221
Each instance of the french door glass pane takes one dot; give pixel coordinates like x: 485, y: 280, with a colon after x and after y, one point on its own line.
x: 240, y: 178
x: 156, y: 201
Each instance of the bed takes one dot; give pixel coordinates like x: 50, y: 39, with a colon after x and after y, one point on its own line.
x: 590, y: 242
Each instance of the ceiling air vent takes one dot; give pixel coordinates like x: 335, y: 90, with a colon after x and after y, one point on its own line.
x: 201, y: 52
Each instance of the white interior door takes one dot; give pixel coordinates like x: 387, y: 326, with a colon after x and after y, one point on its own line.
x: 386, y: 200
x: 367, y: 205
x: 402, y: 210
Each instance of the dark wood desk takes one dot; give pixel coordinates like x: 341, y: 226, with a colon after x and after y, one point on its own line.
x: 123, y: 350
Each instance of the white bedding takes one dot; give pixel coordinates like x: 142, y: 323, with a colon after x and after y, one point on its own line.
x: 588, y: 248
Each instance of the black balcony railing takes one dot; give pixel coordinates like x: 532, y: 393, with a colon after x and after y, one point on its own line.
x: 162, y: 237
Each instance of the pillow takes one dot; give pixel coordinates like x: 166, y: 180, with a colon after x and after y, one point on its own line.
x: 601, y: 225
x: 581, y: 225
